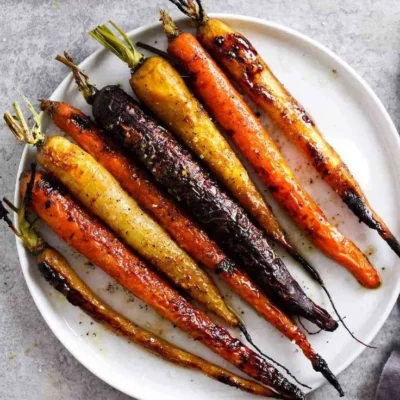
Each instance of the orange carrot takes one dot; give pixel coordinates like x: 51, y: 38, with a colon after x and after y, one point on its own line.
x: 234, y: 115
x: 227, y: 222
x: 187, y: 234
x: 90, y: 238
x: 59, y: 273
x: 242, y: 62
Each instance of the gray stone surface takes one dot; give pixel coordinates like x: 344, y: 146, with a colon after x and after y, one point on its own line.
x: 33, y: 364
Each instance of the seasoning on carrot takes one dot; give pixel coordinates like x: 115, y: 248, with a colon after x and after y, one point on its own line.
x: 242, y: 62
x: 59, y: 273
x: 96, y: 188
x: 100, y: 192
x: 188, y: 182
x: 230, y: 110
x: 159, y: 86
x: 90, y: 238
x: 187, y: 234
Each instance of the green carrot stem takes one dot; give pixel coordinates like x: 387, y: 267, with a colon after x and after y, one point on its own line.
x: 122, y: 48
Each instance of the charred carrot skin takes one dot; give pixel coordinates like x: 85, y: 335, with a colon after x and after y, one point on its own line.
x: 134, y: 179
x: 173, y: 166
x: 188, y: 235
x: 159, y: 86
x: 98, y: 190
x: 241, y: 60
x: 90, y: 238
x: 58, y: 273
x: 235, y: 116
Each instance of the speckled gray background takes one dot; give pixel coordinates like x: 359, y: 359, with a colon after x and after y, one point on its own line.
x: 33, y: 364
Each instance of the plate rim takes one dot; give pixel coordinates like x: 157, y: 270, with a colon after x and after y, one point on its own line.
x: 24, y: 256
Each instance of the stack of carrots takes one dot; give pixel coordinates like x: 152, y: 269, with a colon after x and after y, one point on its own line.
x: 134, y: 198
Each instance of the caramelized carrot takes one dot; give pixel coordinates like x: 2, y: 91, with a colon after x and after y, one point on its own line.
x: 242, y: 62
x: 160, y: 87
x: 137, y: 183
x: 234, y: 115
x: 187, y: 234
x: 91, y: 239
x: 96, y: 188
x: 59, y: 273
x: 170, y: 164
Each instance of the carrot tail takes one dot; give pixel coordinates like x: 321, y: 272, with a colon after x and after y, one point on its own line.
x: 392, y: 242
x: 250, y: 340
x: 363, y: 211
x: 322, y: 366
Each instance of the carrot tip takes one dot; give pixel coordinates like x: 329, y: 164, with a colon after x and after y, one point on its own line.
x: 394, y: 244
x: 320, y: 365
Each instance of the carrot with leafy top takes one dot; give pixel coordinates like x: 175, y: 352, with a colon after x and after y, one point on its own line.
x: 188, y: 182
x: 97, y: 189
x: 93, y: 240
x: 231, y: 111
x: 242, y: 62
x: 59, y: 273
x: 134, y: 179
x: 187, y: 234
x: 159, y: 86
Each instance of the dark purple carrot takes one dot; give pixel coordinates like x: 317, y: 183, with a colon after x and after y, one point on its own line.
x: 174, y: 167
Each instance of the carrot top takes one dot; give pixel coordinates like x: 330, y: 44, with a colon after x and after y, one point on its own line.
x: 124, y: 49
x: 193, y: 9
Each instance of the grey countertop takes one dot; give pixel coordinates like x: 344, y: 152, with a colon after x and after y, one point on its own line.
x: 33, y: 363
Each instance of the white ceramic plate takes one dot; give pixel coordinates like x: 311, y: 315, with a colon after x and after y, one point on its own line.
x: 355, y: 122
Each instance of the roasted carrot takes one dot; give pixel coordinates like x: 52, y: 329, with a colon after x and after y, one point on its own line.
x: 101, y: 193
x: 242, y: 62
x: 137, y: 182
x: 187, y: 234
x: 90, y: 238
x: 172, y: 166
x: 159, y: 86
x: 229, y: 108
x: 186, y: 180
x: 59, y: 273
